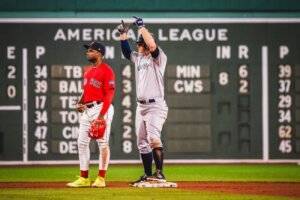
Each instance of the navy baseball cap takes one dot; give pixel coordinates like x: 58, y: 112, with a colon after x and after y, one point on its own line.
x: 96, y: 46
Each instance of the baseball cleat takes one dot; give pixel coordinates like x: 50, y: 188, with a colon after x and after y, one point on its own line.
x: 158, y: 176
x: 141, y: 179
x: 99, y: 182
x: 80, y: 182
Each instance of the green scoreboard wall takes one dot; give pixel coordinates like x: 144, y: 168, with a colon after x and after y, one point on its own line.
x: 232, y: 86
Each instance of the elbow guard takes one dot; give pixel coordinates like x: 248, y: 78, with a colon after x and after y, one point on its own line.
x: 155, y: 53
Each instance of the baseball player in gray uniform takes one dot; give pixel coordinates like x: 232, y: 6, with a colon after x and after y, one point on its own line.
x: 151, y: 113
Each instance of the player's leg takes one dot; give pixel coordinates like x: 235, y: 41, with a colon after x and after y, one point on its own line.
x: 158, y: 156
x: 145, y: 151
x: 143, y: 146
x: 104, y: 150
x: 154, y: 127
x: 83, y: 142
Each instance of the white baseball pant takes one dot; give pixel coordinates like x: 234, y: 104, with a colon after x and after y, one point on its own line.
x: 84, y: 140
x: 149, y: 121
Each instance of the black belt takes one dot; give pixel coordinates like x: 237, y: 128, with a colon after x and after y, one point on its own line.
x: 92, y: 104
x: 146, y: 101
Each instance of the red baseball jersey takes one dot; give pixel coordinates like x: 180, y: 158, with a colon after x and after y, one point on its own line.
x: 99, y: 85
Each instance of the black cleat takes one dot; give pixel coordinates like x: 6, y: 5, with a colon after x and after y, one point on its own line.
x: 143, y: 178
x: 157, y: 176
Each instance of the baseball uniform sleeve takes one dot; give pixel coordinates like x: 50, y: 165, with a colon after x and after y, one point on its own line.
x: 126, y: 50
x: 133, y: 56
x: 161, y: 59
x: 109, y: 90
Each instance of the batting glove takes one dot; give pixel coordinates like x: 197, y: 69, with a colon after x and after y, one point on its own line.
x: 138, y: 22
x: 122, y: 28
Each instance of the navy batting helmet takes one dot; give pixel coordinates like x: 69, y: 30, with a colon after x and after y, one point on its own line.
x: 140, y: 40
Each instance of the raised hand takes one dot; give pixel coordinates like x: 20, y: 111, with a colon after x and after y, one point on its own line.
x: 122, y: 28
x: 138, y: 22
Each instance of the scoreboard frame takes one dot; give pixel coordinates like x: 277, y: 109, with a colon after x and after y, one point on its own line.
x: 264, y: 73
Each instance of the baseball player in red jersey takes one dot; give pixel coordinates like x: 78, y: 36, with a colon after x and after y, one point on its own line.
x: 94, y: 106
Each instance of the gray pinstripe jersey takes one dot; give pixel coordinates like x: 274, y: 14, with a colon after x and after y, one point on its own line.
x: 149, y: 75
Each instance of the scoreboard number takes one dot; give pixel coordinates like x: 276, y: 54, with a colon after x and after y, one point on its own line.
x: 41, y: 147
x: 285, y: 104
x: 40, y: 102
x: 41, y: 116
x: 284, y: 86
x: 40, y: 71
x: 244, y: 83
x: 126, y: 101
x: 285, y: 131
x: 285, y: 146
x: 243, y: 71
x: 126, y: 72
x: 41, y: 132
x: 11, y: 91
x: 126, y: 104
x: 41, y: 86
x: 127, y: 132
x: 285, y: 71
x: 127, y: 146
x: 284, y: 116
x: 223, y: 78
x: 285, y: 101
x: 11, y: 72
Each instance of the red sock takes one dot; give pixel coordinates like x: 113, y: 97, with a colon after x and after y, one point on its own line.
x: 84, y: 174
x: 102, y: 173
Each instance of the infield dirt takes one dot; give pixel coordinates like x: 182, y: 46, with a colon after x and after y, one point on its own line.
x: 254, y: 188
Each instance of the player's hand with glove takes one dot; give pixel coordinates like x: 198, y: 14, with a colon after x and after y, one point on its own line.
x: 97, y: 128
x: 122, y: 28
x: 138, y: 22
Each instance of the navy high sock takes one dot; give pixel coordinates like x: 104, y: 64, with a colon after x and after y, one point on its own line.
x: 147, y: 162
x: 158, y: 156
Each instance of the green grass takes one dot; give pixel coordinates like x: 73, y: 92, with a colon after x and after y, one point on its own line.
x: 271, y: 173
x: 126, y: 193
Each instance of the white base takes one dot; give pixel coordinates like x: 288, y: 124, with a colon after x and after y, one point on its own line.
x: 155, y: 184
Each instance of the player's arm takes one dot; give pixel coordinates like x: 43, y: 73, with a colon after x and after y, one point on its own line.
x: 148, y: 38
x: 80, y: 99
x: 109, y: 92
x: 126, y: 50
x: 80, y: 107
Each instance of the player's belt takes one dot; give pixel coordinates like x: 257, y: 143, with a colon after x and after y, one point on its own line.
x: 146, y: 101
x: 92, y: 104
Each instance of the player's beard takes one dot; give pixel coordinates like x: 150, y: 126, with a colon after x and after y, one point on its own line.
x: 92, y: 60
